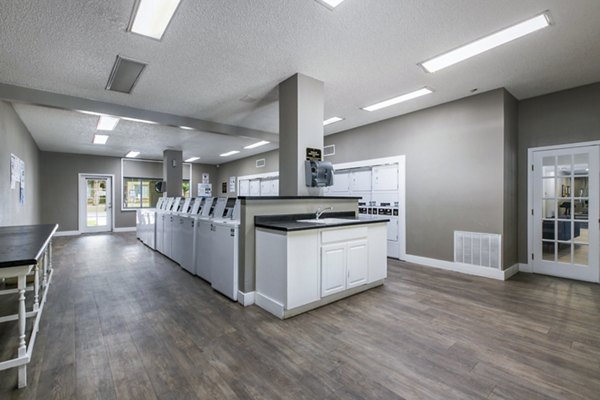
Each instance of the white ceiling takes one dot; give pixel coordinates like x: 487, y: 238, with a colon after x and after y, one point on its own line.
x: 216, y: 52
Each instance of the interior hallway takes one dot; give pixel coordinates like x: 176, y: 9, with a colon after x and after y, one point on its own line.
x: 125, y: 322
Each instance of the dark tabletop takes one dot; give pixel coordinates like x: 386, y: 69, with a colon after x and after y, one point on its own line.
x: 289, y: 223
x: 24, y: 245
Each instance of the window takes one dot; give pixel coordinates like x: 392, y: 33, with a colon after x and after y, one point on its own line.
x: 140, y: 192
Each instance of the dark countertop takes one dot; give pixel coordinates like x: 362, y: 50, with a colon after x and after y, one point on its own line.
x: 24, y: 245
x: 289, y: 223
x: 243, y: 198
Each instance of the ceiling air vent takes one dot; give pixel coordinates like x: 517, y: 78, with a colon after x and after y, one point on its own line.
x: 260, y: 163
x: 329, y: 150
x: 124, y: 75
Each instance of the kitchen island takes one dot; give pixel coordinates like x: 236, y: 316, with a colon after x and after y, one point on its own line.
x: 303, y: 262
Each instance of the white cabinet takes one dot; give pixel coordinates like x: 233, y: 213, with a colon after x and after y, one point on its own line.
x: 333, y: 269
x: 341, y: 183
x: 244, y: 188
x: 343, y: 266
x: 255, y: 187
x: 385, y: 177
x: 357, y: 263
x: 265, y: 187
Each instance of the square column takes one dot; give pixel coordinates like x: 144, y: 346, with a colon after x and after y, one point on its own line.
x: 173, y: 171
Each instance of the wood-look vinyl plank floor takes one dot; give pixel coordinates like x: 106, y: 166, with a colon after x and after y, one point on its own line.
x: 124, y: 322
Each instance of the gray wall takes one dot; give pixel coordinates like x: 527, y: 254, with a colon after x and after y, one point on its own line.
x: 454, y: 168
x: 510, y: 231
x: 15, y: 138
x: 59, y: 174
x: 569, y: 116
x: 246, y: 166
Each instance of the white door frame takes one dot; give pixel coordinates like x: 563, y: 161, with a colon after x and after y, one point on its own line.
x: 530, y: 178
x: 81, y: 194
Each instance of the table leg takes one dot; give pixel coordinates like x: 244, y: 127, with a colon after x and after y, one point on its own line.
x: 36, y: 287
x: 45, y: 270
x: 21, y: 283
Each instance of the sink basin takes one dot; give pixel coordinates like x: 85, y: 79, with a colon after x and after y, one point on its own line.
x: 326, y: 221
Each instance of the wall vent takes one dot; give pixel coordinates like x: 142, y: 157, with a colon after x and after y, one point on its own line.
x: 260, y: 163
x: 482, y: 249
x: 329, y: 150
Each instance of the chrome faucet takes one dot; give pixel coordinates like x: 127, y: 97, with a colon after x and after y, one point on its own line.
x: 320, y: 212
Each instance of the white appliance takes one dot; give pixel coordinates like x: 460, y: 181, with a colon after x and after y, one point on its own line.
x: 146, y: 224
x: 183, y: 238
x: 224, y: 258
x: 161, y: 216
x: 202, y: 237
x: 169, y: 227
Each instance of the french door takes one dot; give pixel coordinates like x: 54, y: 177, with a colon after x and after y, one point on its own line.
x: 95, y: 203
x: 565, y: 213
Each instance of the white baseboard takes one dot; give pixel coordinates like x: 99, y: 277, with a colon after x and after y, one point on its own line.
x: 67, y: 233
x: 269, y: 304
x: 464, y: 268
x: 127, y: 229
x: 246, y: 299
x: 525, y: 268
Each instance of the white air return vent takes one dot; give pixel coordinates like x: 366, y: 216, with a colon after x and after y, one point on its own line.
x: 482, y: 249
x: 124, y: 75
x: 329, y: 150
x: 260, y: 163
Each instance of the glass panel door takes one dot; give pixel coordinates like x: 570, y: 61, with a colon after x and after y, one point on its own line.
x: 95, y: 204
x: 565, y: 222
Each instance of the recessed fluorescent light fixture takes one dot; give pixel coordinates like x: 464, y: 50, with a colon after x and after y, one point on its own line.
x: 100, y: 139
x: 331, y: 4
x: 151, y: 17
x: 229, y: 153
x: 107, y: 123
x: 187, y: 128
x: 143, y: 121
x: 399, y: 99
x: 257, y: 144
x: 132, y: 154
x: 192, y: 159
x: 332, y: 120
x: 487, y: 43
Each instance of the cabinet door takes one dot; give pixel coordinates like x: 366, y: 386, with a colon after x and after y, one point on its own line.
x: 361, y: 180
x: 265, y: 187
x: 255, y: 187
x: 333, y: 269
x: 358, y: 263
x: 275, y: 187
x: 385, y: 177
x: 341, y: 183
x: 244, y: 188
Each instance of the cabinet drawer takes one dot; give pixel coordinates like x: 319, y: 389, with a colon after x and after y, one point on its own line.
x: 343, y: 234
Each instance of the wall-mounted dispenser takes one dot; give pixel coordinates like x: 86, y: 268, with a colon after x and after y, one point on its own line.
x: 318, y: 173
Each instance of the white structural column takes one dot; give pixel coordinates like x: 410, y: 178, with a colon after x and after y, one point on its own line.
x: 173, y: 171
x: 301, y: 103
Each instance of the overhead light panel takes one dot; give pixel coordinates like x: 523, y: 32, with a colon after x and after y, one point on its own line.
x: 487, y: 43
x: 257, y: 144
x: 100, y: 139
x: 151, y: 17
x: 143, y: 121
x: 132, y: 154
x: 229, y: 153
x: 192, y: 159
x: 187, y: 128
x: 107, y: 123
x: 331, y: 4
x: 124, y: 75
x: 399, y: 99
x: 332, y: 120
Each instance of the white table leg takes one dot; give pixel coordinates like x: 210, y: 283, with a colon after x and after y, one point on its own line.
x: 36, y: 287
x: 45, y: 270
x: 21, y: 283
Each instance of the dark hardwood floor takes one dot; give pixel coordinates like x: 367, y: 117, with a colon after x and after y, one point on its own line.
x: 123, y: 322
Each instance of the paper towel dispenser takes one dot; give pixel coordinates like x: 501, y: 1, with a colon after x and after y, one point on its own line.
x: 318, y: 173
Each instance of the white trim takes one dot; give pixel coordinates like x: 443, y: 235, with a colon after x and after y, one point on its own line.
x: 125, y: 229
x: 67, y: 233
x: 81, y: 224
x: 270, y: 305
x: 530, y: 220
x: 525, y: 268
x: 246, y: 299
x: 464, y: 268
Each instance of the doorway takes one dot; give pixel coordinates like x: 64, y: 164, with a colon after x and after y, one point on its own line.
x: 95, y: 203
x: 565, y: 225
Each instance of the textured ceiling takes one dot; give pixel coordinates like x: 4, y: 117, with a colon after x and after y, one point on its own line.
x: 216, y: 52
